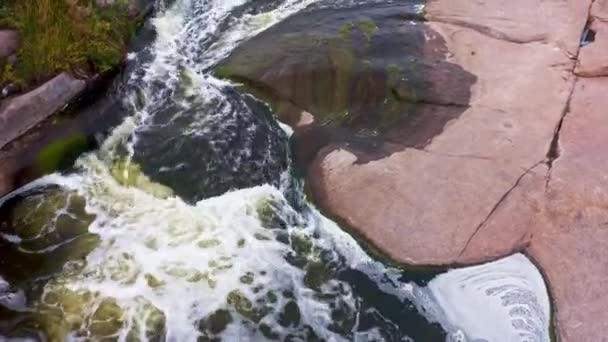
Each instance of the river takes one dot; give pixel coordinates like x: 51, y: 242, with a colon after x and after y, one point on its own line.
x: 190, y: 223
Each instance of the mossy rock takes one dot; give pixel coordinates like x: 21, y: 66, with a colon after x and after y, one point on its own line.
x: 55, y: 209
x: 63, y: 311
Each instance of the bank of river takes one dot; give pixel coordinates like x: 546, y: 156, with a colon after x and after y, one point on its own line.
x: 190, y: 222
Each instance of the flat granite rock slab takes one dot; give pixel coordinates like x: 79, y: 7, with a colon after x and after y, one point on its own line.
x: 440, y: 195
x: 409, y: 201
x: 520, y: 21
x: 559, y: 217
x: 572, y: 248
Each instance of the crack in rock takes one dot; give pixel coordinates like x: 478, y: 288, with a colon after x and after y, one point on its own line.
x: 487, y: 31
x: 497, y: 205
x: 554, y: 151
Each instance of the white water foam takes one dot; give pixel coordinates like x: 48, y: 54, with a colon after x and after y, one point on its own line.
x: 500, y: 301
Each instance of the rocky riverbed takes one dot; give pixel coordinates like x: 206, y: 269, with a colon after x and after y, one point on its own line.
x: 483, y: 137
x: 444, y: 133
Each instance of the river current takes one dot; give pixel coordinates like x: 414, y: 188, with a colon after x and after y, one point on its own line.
x: 189, y: 223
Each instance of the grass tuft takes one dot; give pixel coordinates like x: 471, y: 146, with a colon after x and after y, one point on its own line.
x: 64, y: 35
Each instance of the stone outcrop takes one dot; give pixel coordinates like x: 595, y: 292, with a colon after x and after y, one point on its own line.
x: 22, y: 113
x: 9, y: 42
x: 592, y: 61
x: 519, y: 165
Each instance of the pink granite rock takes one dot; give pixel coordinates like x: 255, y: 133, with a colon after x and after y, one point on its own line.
x: 440, y: 195
x: 506, y: 175
x: 592, y: 59
x: 521, y: 21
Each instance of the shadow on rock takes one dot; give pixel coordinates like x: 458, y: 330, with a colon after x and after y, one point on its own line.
x: 374, y: 77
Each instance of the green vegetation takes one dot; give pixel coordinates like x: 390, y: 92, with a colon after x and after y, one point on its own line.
x: 64, y: 35
x: 61, y: 152
x: 368, y: 28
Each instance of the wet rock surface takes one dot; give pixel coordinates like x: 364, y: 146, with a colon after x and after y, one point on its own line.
x: 367, y: 74
x: 500, y: 150
x: 22, y: 113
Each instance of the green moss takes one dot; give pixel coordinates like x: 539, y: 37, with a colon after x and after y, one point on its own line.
x: 265, y: 210
x: 301, y: 244
x: 60, y: 35
x: 60, y: 152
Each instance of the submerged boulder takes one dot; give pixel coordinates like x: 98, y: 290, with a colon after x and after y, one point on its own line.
x: 43, y: 231
x: 362, y: 72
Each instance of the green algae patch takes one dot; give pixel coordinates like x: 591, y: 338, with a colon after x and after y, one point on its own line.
x: 368, y: 28
x: 269, y: 214
x: 129, y: 173
x: 153, y: 282
x: 302, y: 244
x: 346, y: 31
x: 61, y: 152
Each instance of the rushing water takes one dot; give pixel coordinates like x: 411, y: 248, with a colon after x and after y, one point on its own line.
x: 188, y: 224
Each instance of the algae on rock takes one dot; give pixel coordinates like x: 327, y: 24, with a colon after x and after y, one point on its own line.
x: 129, y: 173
